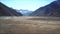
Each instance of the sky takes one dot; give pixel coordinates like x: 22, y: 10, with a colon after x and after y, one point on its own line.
x: 26, y: 4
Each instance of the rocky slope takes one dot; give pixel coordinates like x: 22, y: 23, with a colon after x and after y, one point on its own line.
x: 6, y: 11
x: 53, y: 9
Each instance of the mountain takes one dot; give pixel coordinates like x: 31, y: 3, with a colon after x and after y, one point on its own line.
x: 6, y: 11
x: 25, y: 12
x: 52, y: 9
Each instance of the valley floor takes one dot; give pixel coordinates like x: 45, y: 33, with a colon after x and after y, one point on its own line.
x: 29, y: 25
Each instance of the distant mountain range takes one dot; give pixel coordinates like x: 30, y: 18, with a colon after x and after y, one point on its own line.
x: 53, y: 10
x: 7, y: 11
x: 25, y: 12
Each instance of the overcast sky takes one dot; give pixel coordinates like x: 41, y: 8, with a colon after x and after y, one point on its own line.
x: 26, y: 4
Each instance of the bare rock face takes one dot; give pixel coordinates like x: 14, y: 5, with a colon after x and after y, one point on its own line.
x: 6, y: 11
x: 53, y: 9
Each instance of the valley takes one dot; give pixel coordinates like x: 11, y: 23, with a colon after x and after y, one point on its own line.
x: 29, y: 25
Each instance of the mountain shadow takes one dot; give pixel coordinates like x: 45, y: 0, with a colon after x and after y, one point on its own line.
x: 6, y: 11
x: 53, y: 10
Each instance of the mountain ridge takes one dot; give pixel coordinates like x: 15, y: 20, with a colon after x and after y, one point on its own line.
x: 53, y: 9
x: 7, y: 11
